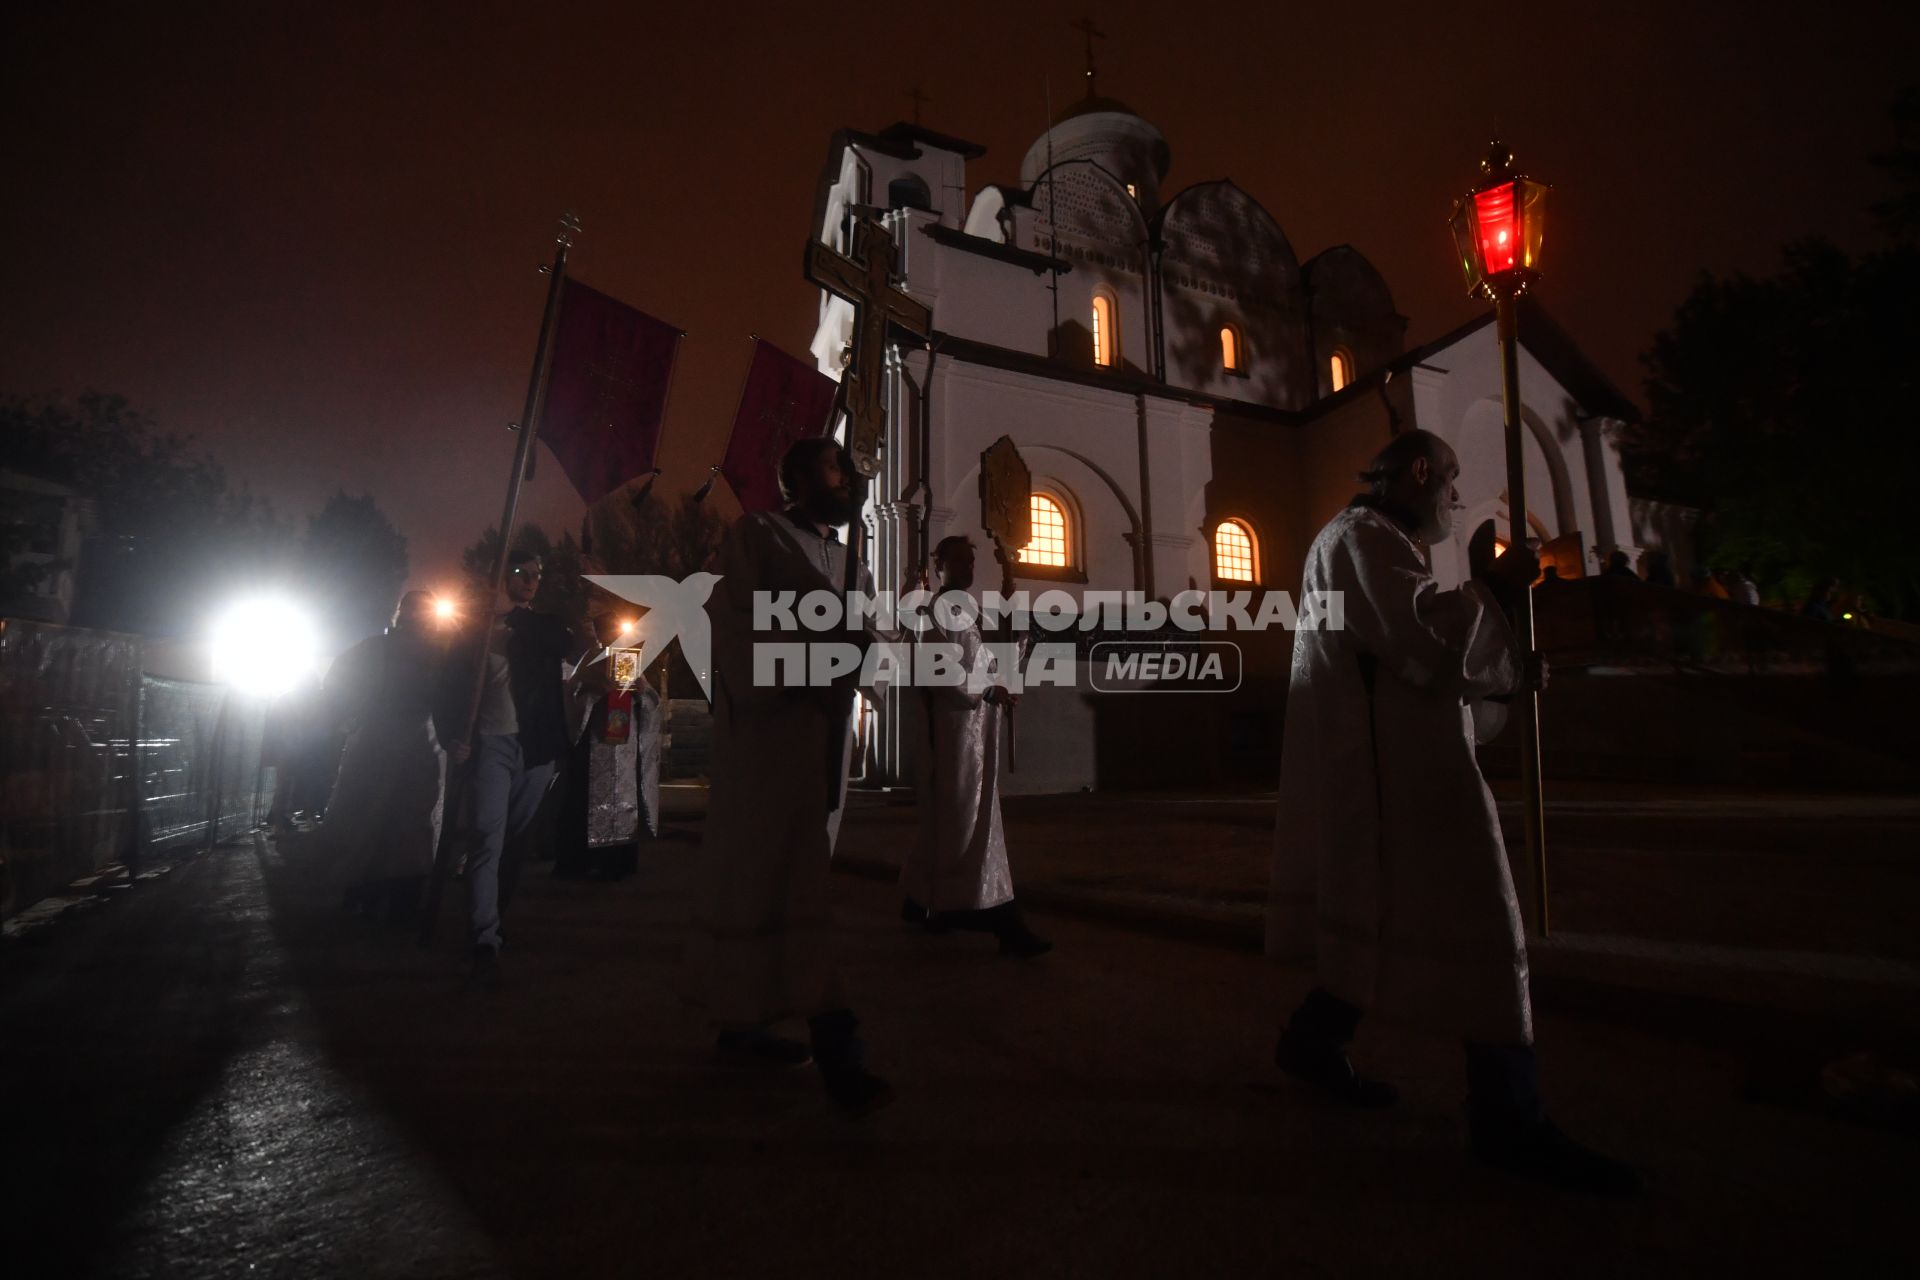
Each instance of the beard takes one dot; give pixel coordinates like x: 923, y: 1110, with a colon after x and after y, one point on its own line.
x: 1436, y: 525
x: 834, y: 507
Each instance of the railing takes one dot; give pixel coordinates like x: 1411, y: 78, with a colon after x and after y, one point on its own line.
x: 101, y: 764
x: 1624, y: 622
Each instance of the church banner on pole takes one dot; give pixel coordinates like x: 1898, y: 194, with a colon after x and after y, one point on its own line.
x: 785, y: 400
x: 606, y: 397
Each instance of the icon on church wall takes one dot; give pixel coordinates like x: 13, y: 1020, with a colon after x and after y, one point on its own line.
x: 1006, y: 495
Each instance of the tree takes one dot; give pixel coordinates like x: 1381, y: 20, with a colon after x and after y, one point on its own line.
x: 562, y: 593
x: 622, y: 534
x: 649, y: 535
x: 171, y: 535
x: 1785, y: 409
x: 1900, y: 212
x: 354, y: 562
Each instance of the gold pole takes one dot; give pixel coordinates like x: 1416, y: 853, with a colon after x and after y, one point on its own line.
x: 1534, y: 816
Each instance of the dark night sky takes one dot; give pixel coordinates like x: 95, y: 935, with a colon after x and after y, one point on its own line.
x: 307, y: 233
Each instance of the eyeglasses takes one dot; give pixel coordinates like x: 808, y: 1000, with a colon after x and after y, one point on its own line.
x: 524, y: 572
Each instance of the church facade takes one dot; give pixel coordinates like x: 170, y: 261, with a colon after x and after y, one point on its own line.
x: 1194, y: 402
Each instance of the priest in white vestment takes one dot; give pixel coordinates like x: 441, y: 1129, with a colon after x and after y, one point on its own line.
x: 1389, y: 868
x: 761, y: 945
x: 956, y: 874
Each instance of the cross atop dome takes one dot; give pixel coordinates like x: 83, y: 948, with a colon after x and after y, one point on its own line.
x: 1086, y: 28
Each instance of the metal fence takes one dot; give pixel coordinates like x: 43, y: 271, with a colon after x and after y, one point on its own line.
x: 101, y: 764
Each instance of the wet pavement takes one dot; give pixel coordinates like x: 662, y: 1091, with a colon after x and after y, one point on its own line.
x: 214, y: 1075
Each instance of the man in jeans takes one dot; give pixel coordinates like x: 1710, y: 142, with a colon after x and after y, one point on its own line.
x: 520, y: 733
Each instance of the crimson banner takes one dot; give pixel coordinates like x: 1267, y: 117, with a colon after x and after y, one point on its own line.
x: 607, y: 391
x: 785, y: 400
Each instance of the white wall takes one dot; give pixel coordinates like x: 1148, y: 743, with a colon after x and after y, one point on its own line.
x: 1457, y: 396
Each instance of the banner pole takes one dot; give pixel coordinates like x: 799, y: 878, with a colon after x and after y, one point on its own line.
x: 497, y: 578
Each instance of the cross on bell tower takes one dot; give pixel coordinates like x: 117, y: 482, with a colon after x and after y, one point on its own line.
x: 1086, y: 28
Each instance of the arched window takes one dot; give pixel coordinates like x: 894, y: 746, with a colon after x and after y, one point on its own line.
x: 1233, y: 353
x: 1106, y: 337
x: 1050, y: 543
x: 1340, y: 369
x: 909, y: 192
x: 1236, y: 556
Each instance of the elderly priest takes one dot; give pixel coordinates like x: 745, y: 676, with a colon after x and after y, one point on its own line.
x: 1389, y: 870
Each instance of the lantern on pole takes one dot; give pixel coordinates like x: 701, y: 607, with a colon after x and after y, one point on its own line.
x: 1499, y: 228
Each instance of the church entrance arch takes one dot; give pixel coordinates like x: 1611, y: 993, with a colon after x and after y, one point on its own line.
x: 1481, y: 442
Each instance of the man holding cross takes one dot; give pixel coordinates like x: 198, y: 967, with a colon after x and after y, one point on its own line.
x: 761, y: 946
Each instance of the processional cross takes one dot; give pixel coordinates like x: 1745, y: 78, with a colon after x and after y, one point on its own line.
x: 867, y: 281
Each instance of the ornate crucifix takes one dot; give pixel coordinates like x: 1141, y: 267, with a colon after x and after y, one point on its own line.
x: 866, y: 280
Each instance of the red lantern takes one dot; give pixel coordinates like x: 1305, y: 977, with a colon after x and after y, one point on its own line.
x: 1499, y: 228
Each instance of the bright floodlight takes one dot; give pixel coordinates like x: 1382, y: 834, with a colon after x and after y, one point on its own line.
x: 443, y: 609
x: 264, y: 647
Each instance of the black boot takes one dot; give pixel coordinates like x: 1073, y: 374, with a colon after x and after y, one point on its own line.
x: 1538, y: 1151
x: 841, y: 1057
x: 484, y: 971
x: 1313, y: 1049
x: 1016, y: 939
x: 1510, y: 1131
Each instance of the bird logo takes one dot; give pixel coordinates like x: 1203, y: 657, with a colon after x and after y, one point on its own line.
x: 676, y: 609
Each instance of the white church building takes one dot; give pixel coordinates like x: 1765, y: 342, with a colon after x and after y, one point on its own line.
x: 1193, y: 399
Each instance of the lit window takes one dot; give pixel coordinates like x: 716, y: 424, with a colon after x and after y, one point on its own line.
x: 1103, y: 334
x: 1229, y: 349
x: 1048, y: 545
x: 1340, y: 370
x: 1233, y: 555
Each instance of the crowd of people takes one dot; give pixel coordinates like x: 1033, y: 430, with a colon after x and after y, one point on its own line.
x: 1826, y: 601
x: 1390, y: 877
x: 372, y: 756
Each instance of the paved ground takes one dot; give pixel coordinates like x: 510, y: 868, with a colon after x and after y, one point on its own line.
x: 1807, y: 905
x: 213, y: 1077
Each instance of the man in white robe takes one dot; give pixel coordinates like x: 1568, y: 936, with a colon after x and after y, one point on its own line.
x: 956, y: 875
x: 761, y: 940
x: 1389, y: 869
